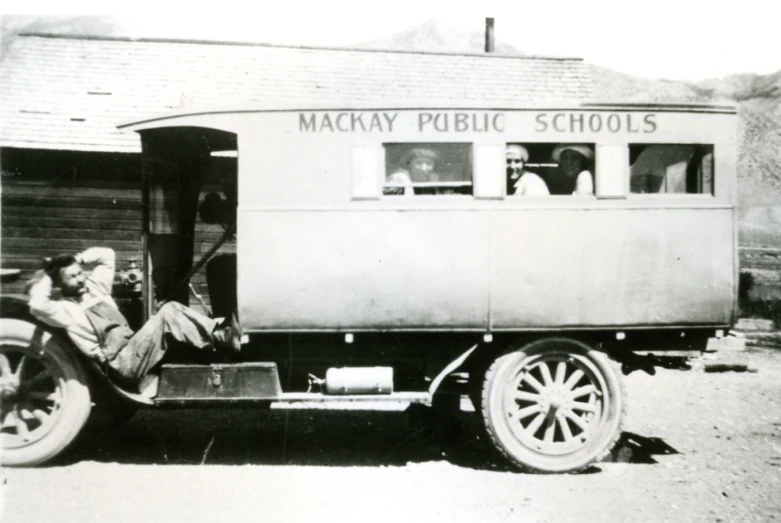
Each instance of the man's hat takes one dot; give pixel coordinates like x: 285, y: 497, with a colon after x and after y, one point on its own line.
x: 584, y: 150
x: 519, y: 150
x: 420, y: 153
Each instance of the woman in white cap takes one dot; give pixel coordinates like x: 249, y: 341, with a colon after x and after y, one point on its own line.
x: 575, y: 170
x: 525, y: 183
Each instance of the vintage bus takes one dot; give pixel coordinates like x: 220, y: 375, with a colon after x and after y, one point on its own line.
x: 402, y: 254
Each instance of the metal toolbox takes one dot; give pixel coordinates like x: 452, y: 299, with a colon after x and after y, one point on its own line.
x: 242, y: 381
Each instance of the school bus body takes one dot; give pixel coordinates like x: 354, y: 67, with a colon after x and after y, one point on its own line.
x: 320, y: 249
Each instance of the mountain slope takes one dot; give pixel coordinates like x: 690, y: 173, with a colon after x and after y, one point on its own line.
x: 758, y: 100
x: 612, y: 86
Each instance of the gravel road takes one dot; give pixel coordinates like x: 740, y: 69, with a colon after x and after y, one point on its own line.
x: 696, y: 447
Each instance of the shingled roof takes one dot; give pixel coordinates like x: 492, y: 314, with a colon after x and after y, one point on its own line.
x: 72, y: 92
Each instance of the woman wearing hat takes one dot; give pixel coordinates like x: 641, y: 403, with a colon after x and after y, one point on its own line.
x: 574, y: 170
x: 525, y: 183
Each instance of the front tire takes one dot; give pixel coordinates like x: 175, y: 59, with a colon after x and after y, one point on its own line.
x: 44, y: 398
x: 553, y: 405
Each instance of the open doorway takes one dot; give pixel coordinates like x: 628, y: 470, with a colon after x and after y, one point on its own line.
x: 190, y: 198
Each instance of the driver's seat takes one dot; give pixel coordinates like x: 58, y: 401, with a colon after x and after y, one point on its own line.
x: 221, y: 280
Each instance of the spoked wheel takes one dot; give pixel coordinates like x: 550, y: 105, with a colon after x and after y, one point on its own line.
x: 554, y: 405
x: 44, y: 400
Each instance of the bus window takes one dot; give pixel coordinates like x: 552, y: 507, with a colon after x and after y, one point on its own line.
x: 428, y: 169
x: 671, y: 169
x: 550, y: 169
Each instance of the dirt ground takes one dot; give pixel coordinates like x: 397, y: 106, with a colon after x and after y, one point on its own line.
x: 696, y: 447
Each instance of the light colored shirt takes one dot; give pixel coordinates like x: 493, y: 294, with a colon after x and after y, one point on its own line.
x: 584, y: 184
x: 530, y: 184
x: 68, y: 313
x: 402, y: 183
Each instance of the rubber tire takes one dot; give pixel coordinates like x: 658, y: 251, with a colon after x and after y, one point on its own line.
x: 76, y: 402
x: 527, y: 459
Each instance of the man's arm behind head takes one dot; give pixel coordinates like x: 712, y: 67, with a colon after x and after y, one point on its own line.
x: 103, y: 263
x: 42, y: 306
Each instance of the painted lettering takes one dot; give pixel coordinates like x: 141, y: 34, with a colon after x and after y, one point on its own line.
x: 649, y: 123
x: 306, y: 125
x: 575, y: 122
x: 595, y: 123
x: 614, y: 123
x: 339, y: 123
x: 476, y: 124
x: 441, y: 122
x: 556, y: 122
x: 376, y: 122
x: 498, y: 122
x: 326, y: 122
x: 424, y: 119
x: 629, y: 127
x: 542, y: 123
x: 357, y: 119
x: 573, y: 119
x: 462, y: 122
x: 390, y: 120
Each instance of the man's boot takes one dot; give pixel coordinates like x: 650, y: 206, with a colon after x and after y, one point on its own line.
x: 227, y: 337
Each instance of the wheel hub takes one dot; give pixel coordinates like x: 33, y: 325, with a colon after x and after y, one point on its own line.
x: 554, y: 398
x: 8, y: 394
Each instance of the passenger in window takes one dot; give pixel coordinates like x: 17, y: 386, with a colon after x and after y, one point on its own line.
x: 397, y: 183
x: 417, y: 167
x: 574, y: 174
x: 525, y: 183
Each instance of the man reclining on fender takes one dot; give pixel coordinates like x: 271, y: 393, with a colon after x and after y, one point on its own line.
x: 93, y: 322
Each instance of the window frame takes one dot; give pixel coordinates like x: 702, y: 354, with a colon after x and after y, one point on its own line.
x: 674, y: 195
x: 412, y: 145
x: 554, y: 165
x: 360, y: 158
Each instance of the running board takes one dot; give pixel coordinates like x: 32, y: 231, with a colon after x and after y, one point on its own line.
x: 247, y: 385
x: 291, y: 398
x: 299, y: 397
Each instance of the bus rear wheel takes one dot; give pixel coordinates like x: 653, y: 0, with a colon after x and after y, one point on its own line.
x: 44, y: 399
x: 553, y: 405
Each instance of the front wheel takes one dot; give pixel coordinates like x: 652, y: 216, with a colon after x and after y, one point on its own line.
x: 44, y: 399
x: 554, y: 405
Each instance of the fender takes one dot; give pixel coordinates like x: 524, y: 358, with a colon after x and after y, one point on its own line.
x: 452, y: 366
x: 96, y: 372
x: 15, y: 306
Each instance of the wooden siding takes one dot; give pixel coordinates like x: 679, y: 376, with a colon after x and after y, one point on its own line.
x: 40, y: 219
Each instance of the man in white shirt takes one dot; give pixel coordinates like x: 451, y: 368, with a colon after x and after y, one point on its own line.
x: 417, y: 166
x: 80, y: 302
x: 526, y: 183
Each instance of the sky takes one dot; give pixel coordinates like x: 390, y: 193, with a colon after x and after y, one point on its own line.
x: 677, y: 40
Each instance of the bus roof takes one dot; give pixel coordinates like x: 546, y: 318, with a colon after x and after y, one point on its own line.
x: 167, y: 119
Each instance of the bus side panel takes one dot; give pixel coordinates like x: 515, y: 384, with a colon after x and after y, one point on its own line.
x: 620, y: 267
x: 341, y: 270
